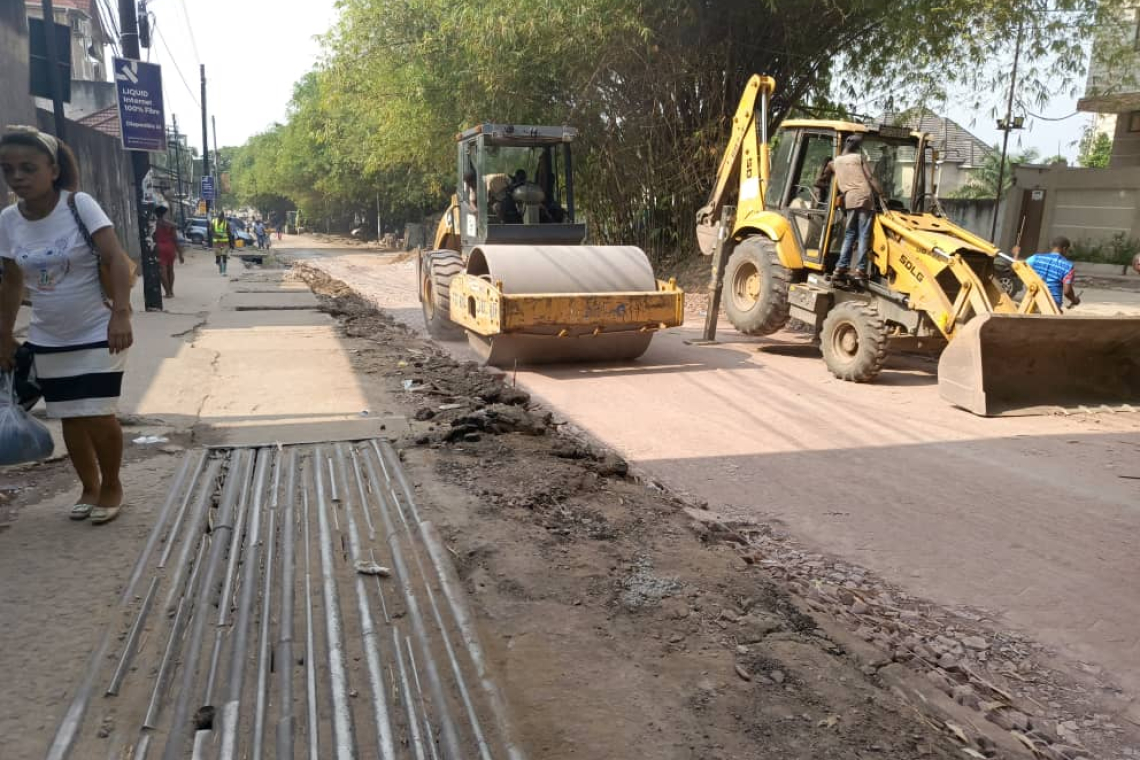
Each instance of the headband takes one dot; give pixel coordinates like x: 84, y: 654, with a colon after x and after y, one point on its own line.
x: 48, y: 141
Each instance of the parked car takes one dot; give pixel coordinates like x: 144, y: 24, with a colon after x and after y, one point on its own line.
x: 196, y: 232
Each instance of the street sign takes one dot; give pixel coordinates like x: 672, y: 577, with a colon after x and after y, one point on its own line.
x: 209, y: 192
x: 37, y: 47
x: 139, y: 87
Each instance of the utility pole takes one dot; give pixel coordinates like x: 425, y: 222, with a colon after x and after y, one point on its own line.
x: 140, y: 162
x: 178, y: 175
x: 53, y: 71
x: 206, y: 156
x: 217, y: 167
x: 1007, y: 125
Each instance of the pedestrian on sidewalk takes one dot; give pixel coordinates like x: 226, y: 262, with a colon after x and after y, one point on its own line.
x: 166, y: 241
x: 61, y: 245
x: 262, y: 238
x: 223, y: 242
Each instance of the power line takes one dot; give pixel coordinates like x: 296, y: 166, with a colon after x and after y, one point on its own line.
x: 190, y: 31
x: 174, y: 63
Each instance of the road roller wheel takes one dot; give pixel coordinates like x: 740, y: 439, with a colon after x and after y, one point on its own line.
x: 436, y: 269
x: 507, y: 351
x: 756, y: 288
x: 854, y: 342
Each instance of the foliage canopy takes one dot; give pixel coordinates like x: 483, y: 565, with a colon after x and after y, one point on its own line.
x: 651, y: 87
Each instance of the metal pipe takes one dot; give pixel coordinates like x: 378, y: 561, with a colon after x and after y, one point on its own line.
x: 420, y: 693
x: 285, y: 632
x: 451, y: 588
x: 177, y: 526
x: 380, y: 589
x: 200, y: 738
x: 460, y: 679
x: 409, y: 705
x: 219, y: 542
x: 368, y: 633
x: 160, y: 523
x: 143, y: 747
x: 342, y: 713
x: 245, y: 468
x: 397, y: 468
x: 310, y: 653
x: 450, y: 735
x: 277, y: 477
x: 263, y: 643
x: 240, y: 637
x: 195, y: 534
x: 132, y: 641
x: 154, y: 708
x: 363, y: 497
x: 69, y: 726
x: 237, y: 538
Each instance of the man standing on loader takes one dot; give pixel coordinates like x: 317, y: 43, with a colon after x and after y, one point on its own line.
x: 858, y: 188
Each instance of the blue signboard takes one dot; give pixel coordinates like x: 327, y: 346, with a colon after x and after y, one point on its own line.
x: 139, y: 87
x: 209, y: 193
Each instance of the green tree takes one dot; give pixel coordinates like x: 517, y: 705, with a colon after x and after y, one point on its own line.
x: 983, y: 182
x: 652, y: 88
x: 1095, y: 149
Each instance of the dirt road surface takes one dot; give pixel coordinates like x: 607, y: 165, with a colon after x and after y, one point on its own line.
x: 1031, y: 523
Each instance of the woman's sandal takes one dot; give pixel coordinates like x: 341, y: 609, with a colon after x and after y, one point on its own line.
x: 102, y: 515
x: 81, y: 511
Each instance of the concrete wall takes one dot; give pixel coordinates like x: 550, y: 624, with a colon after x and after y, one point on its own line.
x: 977, y: 216
x: 1126, y: 141
x: 86, y: 98
x: 105, y: 174
x: 15, y: 105
x: 1085, y: 205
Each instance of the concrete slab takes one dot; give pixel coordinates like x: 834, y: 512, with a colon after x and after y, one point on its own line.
x: 270, y: 301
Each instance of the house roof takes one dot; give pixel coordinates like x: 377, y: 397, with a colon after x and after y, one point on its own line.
x: 955, y: 143
x: 105, y: 121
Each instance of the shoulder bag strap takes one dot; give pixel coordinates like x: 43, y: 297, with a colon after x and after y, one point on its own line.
x: 83, y: 227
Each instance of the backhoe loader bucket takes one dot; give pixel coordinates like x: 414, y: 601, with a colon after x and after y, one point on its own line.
x: 545, y: 304
x: 1017, y: 364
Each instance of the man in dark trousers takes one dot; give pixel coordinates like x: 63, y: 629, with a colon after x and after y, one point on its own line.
x: 858, y: 188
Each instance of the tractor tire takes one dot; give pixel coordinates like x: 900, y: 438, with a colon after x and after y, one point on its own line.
x: 756, y: 288
x: 436, y: 268
x: 854, y: 342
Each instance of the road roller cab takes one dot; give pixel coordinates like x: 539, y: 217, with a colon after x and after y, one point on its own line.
x: 511, y: 268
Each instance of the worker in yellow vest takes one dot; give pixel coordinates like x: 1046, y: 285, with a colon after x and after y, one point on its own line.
x: 223, y: 241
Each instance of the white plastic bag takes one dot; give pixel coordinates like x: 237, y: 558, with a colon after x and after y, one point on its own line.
x: 22, y: 437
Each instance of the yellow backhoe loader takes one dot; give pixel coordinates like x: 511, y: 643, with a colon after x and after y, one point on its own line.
x: 932, y: 284
x: 510, y: 268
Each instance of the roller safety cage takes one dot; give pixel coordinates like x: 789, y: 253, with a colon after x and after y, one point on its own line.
x: 510, y: 267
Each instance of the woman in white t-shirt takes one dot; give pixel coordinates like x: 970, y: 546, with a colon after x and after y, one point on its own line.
x: 78, y: 334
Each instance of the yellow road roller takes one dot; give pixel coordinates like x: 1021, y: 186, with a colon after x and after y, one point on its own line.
x: 509, y: 265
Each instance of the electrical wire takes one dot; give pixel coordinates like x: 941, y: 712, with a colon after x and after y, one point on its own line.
x: 190, y: 31
x: 174, y: 63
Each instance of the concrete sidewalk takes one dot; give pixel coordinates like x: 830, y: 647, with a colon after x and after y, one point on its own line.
x: 236, y: 360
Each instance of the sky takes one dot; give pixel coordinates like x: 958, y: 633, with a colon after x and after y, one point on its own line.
x: 255, y: 50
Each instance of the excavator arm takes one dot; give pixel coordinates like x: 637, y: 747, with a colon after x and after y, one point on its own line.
x: 745, y: 160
